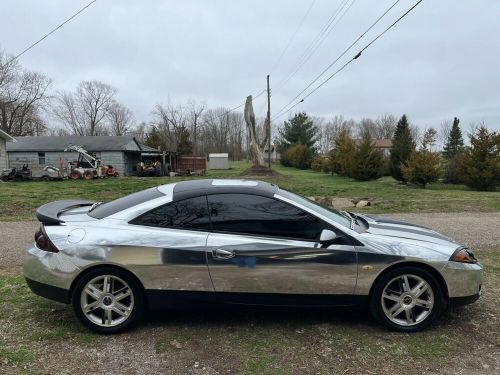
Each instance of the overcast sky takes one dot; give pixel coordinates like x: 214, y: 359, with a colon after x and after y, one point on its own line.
x: 440, y: 61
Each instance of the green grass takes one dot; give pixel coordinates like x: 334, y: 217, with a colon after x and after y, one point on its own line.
x: 18, y: 201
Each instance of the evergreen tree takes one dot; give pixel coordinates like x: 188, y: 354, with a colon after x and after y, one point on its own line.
x: 154, y: 139
x: 455, y: 143
x: 481, y: 162
x: 402, y: 147
x: 423, y: 166
x: 368, y: 161
x: 343, y: 153
x: 300, y: 130
x: 184, y: 145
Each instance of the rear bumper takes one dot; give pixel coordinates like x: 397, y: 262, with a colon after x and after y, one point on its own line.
x: 51, y: 292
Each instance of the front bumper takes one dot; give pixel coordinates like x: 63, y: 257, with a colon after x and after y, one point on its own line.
x: 464, y: 281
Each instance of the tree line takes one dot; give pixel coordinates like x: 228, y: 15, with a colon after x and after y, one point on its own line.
x: 414, y: 158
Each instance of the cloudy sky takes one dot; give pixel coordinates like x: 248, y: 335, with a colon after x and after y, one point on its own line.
x: 440, y: 61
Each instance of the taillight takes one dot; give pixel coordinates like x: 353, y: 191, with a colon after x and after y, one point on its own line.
x: 43, y: 242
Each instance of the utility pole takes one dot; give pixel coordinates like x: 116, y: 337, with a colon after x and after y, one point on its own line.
x: 269, y: 122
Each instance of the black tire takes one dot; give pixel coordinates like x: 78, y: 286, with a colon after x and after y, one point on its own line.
x: 430, y: 315
x: 137, y: 296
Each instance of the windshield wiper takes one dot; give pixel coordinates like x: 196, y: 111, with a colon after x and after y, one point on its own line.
x: 351, y: 217
x: 95, y: 205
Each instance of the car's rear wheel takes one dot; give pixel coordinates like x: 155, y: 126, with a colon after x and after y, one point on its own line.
x: 407, y: 299
x: 108, y: 300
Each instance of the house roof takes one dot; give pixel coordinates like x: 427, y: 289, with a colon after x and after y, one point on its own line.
x: 6, y: 136
x: 89, y: 143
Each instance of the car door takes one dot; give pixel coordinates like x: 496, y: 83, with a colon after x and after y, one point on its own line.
x: 173, y: 238
x: 263, y: 245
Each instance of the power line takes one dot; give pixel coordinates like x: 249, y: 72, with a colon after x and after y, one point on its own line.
x: 50, y: 33
x: 351, y: 60
x: 293, y: 35
x: 333, y: 21
x: 240, y: 105
x: 341, y: 55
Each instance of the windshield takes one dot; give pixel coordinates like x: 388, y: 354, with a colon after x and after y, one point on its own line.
x: 331, y: 214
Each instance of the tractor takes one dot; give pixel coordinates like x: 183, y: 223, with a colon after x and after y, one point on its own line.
x: 88, y: 166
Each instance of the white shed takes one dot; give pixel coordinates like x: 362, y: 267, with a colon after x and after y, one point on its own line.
x: 218, y: 161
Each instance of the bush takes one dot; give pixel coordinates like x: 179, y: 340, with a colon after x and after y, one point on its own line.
x: 481, y: 162
x: 320, y: 163
x: 298, y: 156
x: 422, y: 168
x: 453, y: 170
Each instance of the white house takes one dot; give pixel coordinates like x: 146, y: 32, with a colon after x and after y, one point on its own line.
x: 4, y: 161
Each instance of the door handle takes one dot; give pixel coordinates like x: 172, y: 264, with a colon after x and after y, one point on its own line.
x: 221, y: 253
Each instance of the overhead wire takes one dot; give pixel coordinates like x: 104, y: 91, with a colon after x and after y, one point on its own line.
x: 332, y: 23
x: 52, y: 31
x: 285, y: 107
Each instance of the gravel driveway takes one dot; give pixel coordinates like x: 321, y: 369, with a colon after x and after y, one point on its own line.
x: 477, y: 230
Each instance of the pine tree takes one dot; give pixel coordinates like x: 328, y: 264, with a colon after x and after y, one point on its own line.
x: 481, y: 162
x: 368, y: 161
x: 423, y: 166
x: 343, y: 153
x: 184, y: 145
x: 455, y: 143
x: 402, y: 147
x: 300, y: 130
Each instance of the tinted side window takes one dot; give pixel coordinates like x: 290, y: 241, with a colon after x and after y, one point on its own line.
x: 256, y: 215
x: 120, y: 204
x: 189, y: 213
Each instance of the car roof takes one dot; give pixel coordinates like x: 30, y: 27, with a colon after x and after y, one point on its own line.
x: 186, y: 189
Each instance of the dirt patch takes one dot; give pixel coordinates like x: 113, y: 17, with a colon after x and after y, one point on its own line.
x: 259, y: 170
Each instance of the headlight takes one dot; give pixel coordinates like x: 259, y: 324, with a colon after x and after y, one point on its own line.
x: 463, y: 255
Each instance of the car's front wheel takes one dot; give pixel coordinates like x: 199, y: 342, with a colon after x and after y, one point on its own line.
x: 108, y: 300
x: 407, y: 299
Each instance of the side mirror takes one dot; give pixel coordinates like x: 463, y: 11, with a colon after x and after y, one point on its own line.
x: 327, y: 237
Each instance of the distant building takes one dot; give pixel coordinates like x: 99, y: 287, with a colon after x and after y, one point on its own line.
x: 384, y: 145
x: 122, y: 152
x: 4, y: 160
x: 218, y: 161
x: 275, y: 155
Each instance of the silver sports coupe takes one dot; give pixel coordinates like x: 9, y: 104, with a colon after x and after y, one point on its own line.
x: 241, y: 242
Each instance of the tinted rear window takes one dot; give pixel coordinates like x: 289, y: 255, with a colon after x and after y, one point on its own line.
x: 120, y: 204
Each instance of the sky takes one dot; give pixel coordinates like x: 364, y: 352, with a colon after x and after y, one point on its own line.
x: 440, y: 61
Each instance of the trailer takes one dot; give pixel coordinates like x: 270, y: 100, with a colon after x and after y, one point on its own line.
x: 191, y: 165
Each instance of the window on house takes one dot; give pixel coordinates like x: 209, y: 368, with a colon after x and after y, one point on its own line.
x: 41, y: 158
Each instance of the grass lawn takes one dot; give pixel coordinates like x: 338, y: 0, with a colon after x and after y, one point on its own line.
x: 18, y: 201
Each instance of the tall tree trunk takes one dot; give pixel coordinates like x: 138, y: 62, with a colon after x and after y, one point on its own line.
x: 256, y: 152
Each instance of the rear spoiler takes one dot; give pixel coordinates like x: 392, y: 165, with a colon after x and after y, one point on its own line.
x: 49, y: 213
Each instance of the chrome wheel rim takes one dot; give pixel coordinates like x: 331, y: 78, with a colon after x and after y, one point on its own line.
x: 407, y: 300
x: 107, y: 301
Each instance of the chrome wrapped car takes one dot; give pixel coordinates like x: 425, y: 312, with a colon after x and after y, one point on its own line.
x: 243, y: 242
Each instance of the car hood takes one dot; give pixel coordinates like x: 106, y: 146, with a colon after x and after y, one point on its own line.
x: 403, y: 238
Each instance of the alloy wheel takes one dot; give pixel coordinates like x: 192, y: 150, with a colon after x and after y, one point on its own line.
x: 407, y: 300
x: 107, y: 300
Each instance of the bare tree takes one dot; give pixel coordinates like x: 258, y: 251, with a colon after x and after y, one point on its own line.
x: 385, y: 126
x: 22, y: 98
x: 170, y: 121
x: 84, y: 111
x: 195, y: 112
x: 120, y: 119
x: 444, y: 130
x: 256, y: 149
